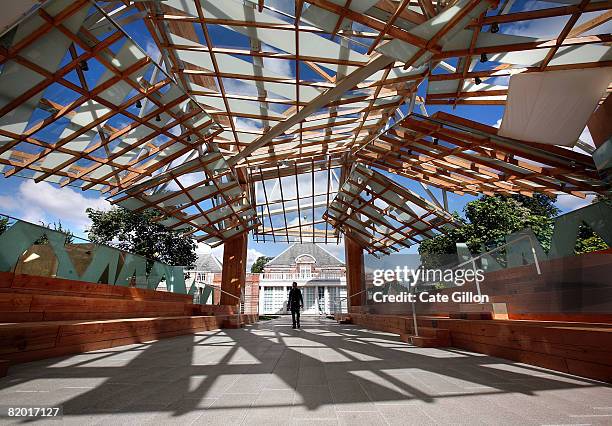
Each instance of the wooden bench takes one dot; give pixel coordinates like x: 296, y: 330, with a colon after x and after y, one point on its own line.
x: 38, y: 340
x: 42, y: 317
x: 583, y: 349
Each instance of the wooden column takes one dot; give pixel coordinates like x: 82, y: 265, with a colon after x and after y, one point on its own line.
x: 233, y: 274
x: 355, y: 272
x: 600, y: 124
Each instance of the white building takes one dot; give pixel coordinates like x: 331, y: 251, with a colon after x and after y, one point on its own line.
x: 203, y: 276
x: 320, y: 275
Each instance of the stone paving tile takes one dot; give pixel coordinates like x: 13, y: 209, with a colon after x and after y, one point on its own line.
x: 359, y: 418
x: 272, y: 407
x: 227, y: 409
x: 182, y: 412
x: 325, y: 373
x: 313, y: 402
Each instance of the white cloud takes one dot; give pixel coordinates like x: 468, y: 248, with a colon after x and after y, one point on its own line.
x: 335, y: 249
x: 568, y: 203
x: 278, y: 66
x: 540, y: 28
x: 43, y: 202
x: 152, y: 50
x: 247, y: 124
x: 252, y: 254
x: 498, y: 123
x: 206, y: 249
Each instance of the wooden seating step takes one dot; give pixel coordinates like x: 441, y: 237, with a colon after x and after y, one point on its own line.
x: 231, y: 321
x: 471, y: 315
x: 425, y: 341
x: 343, y: 318
x: 429, y: 337
x: 583, y: 349
x: 24, y: 342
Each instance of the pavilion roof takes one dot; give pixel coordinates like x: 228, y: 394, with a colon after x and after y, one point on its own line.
x: 231, y: 116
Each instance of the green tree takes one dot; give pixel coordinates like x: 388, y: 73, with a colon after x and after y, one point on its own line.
x: 490, y: 218
x: 258, y: 265
x: 56, y: 227
x: 3, y: 224
x: 139, y: 233
x: 588, y: 240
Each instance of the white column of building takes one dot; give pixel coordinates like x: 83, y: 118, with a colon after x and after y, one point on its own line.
x: 261, y: 299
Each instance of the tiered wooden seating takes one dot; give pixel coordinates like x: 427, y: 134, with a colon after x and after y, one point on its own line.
x: 583, y: 349
x: 485, y: 311
x: 569, y: 289
x: 31, y: 298
x: 38, y: 340
x: 42, y: 317
x: 429, y: 337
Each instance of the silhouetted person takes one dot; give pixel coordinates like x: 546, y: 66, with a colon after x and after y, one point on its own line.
x: 295, y: 303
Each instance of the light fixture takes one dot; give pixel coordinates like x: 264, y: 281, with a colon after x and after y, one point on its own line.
x: 188, y: 138
x: 157, y: 118
x: 84, y: 66
x: 477, y: 80
x: 138, y: 104
x: 494, y: 27
x: 435, y: 141
x: 483, y: 57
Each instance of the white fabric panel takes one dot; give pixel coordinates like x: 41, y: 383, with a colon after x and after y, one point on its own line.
x: 552, y: 107
x: 231, y: 64
x: 13, y: 11
x: 237, y: 105
x: 403, y: 51
x: 47, y: 53
x: 310, y: 44
x: 565, y: 55
x: 327, y: 20
x: 91, y: 111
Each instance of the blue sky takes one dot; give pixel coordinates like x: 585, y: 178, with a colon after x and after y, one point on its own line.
x: 43, y: 202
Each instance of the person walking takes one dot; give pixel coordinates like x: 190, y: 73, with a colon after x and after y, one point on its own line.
x: 295, y: 303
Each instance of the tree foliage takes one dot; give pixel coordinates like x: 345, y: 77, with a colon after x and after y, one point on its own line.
x: 588, y: 240
x: 138, y: 233
x: 259, y: 264
x: 56, y: 227
x: 490, y: 218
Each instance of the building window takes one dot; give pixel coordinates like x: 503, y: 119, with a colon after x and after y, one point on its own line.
x: 308, y: 294
x: 305, y: 271
x: 321, y: 299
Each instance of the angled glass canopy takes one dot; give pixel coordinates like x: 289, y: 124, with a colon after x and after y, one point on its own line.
x: 382, y: 215
x: 143, y: 100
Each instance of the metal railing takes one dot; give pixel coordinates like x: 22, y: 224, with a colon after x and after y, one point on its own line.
x: 472, y: 261
x: 209, y: 298
x: 282, y: 276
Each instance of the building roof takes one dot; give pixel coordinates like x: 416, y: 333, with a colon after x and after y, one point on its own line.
x: 322, y: 256
x: 207, y: 263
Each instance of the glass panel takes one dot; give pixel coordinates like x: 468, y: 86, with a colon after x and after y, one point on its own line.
x: 48, y: 251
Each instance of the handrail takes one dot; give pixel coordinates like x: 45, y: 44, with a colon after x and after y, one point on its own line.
x: 473, y: 260
x: 220, y: 289
x: 522, y: 237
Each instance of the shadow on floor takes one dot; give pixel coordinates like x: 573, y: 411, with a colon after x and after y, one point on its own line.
x: 218, y: 376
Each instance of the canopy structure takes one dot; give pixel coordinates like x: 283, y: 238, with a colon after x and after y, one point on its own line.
x: 230, y: 116
x: 383, y: 216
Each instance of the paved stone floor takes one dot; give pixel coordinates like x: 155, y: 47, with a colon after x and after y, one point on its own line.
x: 324, y: 373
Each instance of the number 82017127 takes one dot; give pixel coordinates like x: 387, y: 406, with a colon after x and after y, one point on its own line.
x: 25, y: 412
